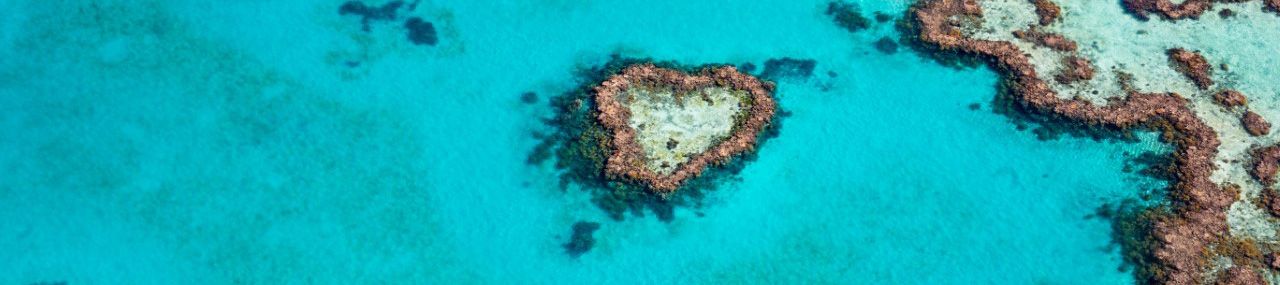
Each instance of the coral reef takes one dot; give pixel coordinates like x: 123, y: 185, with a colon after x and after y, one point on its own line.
x: 1255, y: 124
x: 1167, y: 9
x: 1197, y: 218
x: 1230, y: 98
x: 1270, y: 200
x: 1266, y: 161
x: 1188, y: 9
x: 1240, y: 275
x: 579, y: 146
x: 1193, y: 66
x: 1074, y: 68
x: 1047, y: 11
x: 1044, y: 39
x: 1132, y: 225
x: 627, y: 156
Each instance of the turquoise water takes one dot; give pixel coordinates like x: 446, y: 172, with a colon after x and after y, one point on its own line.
x: 276, y: 142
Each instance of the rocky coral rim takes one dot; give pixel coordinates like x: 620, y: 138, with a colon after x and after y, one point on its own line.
x: 626, y: 158
x: 1199, y: 216
x: 1187, y: 9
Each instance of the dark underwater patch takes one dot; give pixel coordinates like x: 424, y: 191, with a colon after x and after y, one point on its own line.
x: 417, y: 30
x: 582, y: 239
x: 788, y: 68
x: 528, y: 97
x: 848, y: 16
x: 882, y: 17
x: 386, y: 12
x: 1132, y: 225
x: 1151, y: 164
x: 886, y: 45
x: 420, y: 32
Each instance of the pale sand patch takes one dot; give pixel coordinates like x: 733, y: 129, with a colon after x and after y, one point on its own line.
x: 672, y: 129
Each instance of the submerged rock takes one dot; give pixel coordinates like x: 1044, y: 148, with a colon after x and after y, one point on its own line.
x: 420, y: 32
x: 529, y: 97
x: 784, y: 68
x: 582, y: 239
x: 886, y: 45
x: 848, y: 16
x: 368, y: 14
x: 882, y: 17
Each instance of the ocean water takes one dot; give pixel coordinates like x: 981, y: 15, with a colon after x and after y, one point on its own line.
x: 264, y: 142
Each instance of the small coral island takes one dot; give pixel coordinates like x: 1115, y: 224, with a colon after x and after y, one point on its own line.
x: 643, y: 135
x: 667, y: 126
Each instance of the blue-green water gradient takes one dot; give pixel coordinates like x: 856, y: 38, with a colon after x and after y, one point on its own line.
x: 267, y: 142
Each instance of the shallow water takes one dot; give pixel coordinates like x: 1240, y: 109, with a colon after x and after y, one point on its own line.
x: 277, y: 142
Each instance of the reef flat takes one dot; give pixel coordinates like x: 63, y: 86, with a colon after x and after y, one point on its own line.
x: 1201, y: 81
x: 668, y: 126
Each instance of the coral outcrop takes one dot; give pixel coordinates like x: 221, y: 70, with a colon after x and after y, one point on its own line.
x: 1045, y: 39
x: 1230, y: 99
x: 1255, y: 124
x: 1047, y: 11
x: 1193, y: 66
x: 1074, y: 68
x: 1266, y: 161
x: 1167, y: 9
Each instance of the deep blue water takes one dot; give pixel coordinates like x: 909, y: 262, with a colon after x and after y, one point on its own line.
x: 277, y: 142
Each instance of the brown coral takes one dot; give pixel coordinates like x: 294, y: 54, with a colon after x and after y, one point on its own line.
x: 1048, y: 11
x: 1045, y: 39
x: 1255, y: 124
x: 1074, y: 68
x: 1241, y: 275
x: 1230, y: 98
x: 1192, y: 65
x: 1166, y: 8
x: 1266, y: 161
